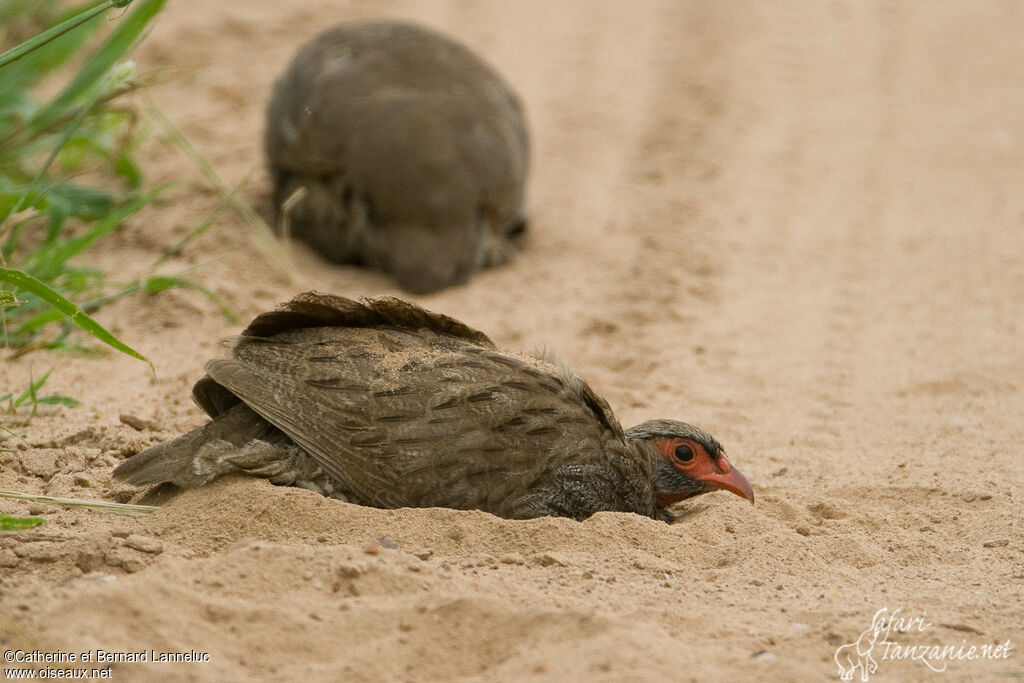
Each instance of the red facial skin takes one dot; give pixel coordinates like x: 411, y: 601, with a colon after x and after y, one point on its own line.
x: 717, y: 473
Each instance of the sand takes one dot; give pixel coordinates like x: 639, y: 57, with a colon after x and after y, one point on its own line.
x: 798, y: 225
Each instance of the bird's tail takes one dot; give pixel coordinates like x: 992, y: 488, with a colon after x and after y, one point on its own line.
x: 196, y: 458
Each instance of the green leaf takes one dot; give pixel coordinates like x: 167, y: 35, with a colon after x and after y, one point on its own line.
x: 116, y: 47
x: 8, y: 523
x: 126, y: 167
x: 86, y: 203
x: 33, y: 387
x: 46, y: 262
x: 57, y: 399
x: 73, y: 312
x: 160, y: 283
x: 24, y: 64
x: 39, y: 40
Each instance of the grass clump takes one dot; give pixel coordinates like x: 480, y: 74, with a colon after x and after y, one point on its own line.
x: 47, y: 214
x: 32, y: 398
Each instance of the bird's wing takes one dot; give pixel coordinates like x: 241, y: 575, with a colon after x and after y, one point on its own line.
x: 416, y: 417
x: 313, y: 309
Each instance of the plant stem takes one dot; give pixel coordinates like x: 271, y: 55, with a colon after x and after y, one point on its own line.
x: 19, y: 51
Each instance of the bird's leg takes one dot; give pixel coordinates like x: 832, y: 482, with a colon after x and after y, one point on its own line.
x: 263, y: 459
x: 284, y: 465
x: 500, y: 245
x: 664, y: 515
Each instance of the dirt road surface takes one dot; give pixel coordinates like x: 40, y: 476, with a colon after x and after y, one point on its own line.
x: 799, y: 225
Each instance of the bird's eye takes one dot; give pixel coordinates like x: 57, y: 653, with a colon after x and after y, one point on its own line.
x: 684, y: 453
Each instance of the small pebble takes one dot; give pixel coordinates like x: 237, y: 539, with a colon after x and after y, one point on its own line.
x: 144, y: 544
x: 137, y: 423
x: 549, y: 559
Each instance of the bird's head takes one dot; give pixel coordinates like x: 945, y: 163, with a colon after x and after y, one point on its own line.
x: 688, y: 462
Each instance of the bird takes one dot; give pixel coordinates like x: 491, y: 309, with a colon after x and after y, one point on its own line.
x: 392, y: 146
x: 381, y: 402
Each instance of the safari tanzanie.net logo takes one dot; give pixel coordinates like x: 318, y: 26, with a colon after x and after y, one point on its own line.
x: 892, y: 636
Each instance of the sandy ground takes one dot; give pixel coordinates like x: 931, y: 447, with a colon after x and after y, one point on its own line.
x: 799, y: 225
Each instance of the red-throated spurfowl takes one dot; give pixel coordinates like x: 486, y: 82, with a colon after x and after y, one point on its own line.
x: 383, y: 403
x: 410, y: 154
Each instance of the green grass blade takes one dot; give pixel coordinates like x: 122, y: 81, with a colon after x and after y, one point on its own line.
x: 33, y: 387
x: 159, y: 283
x: 17, y: 78
x: 48, y: 316
x: 118, y: 44
x: 49, y: 260
x: 38, y: 40
x: 73, y: 312
x: 32, y: 394
x: 8, y: 523
x: 69, y: 131
x: 266, y: 240
x: 196, y: 231
x: 58, y: 400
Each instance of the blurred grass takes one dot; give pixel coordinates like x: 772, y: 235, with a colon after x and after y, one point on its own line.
x: 22, y: 19
x: 48, y: 215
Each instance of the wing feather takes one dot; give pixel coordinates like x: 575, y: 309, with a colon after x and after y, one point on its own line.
x: 418, y: 414
x: 314, y: 309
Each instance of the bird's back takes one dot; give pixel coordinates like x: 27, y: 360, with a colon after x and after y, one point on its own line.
x: 359, y: 92
x: 408, y: 408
